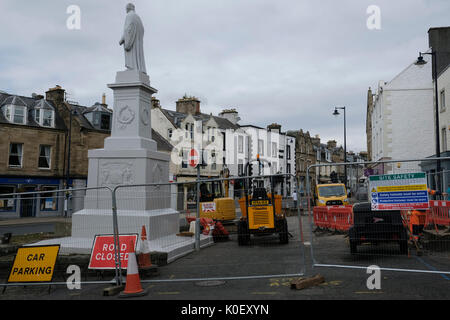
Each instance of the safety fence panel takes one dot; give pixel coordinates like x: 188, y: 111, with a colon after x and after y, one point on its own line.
x: 68, y: 218
x: 231, y: 230
x: 401, y: 224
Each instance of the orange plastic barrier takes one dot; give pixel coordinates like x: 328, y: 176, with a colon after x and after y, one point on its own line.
x: 338, y: 218
x: 341, y: 217
x: 439, y: 213
x: 321, y: 217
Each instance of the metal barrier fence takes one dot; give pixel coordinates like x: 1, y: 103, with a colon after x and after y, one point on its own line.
x: 192, y: 229
x: 67, y: 217
x: 209, y: 224
x: 356, y: 236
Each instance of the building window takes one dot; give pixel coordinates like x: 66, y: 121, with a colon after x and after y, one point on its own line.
x: 444, y: 139
x: 19, y: 115
x: 105, y: 122
x: 213, y: 160
x: 288, y: 168
x: 442, y: 100
x: 44, y: 157
x: 274, y: 149
x: 241, y: 168
x: 44, y: 117
x: 15, y: 155
x: 184, y: 162
x: 211, y: 134
x: 205, y: 157
x: 48, y: 118
x: 261, y: 147
x: 48, y: 201
x: 169, y: 133
x: 7, y: 203
x: 288, y: 152
x: 15, y: 114
x: 241, y: 144
x: 274, y: 167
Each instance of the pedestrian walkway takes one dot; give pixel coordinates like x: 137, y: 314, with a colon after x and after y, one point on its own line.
x: 21, y: 226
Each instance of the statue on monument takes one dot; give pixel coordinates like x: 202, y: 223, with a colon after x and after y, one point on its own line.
x: 133, y: 41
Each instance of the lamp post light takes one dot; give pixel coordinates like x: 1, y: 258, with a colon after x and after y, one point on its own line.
x: 336, y: 114
x: 421, y: 61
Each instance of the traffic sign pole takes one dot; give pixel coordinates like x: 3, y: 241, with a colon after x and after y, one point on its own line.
x: 197, y: 220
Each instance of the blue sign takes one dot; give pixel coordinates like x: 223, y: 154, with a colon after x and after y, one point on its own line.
x: 10, y: 180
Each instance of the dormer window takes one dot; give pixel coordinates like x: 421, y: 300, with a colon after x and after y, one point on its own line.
x: 15, y: 110
x: 15, y: 114
x: 99, y: 116
x: 45, y: 118
x: 44, y: 115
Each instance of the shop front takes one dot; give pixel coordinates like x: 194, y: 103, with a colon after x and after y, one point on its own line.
x: 48, y: 203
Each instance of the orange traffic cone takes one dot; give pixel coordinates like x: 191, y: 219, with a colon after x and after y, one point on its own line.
x: 144, y: 260
x: 133, y: 286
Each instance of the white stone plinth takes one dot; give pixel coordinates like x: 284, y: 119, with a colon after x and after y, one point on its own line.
x: 129, y: 158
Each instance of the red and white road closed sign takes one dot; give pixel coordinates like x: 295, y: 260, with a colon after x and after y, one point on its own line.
x: 193, y: 158
x: 102, y: 254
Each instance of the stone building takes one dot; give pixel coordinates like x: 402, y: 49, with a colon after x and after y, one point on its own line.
x: 34, y: 149
x: 305, y: 155
x: 369, y: 123
x: 218, y: 133
x: 402, y: 119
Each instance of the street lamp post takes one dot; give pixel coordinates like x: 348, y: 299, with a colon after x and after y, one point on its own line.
x: 71, y: 114
x: 421, y: 61
x: 336, y: 113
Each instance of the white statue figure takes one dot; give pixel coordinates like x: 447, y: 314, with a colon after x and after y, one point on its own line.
x: 133, y: 41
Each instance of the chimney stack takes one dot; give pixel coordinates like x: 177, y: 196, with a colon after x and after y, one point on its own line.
x: 104, y: 99
x: 274, y: 127
x: 155, y: 103
x: 231, y: 115
x: 188, y: 105
x: 56, y: 94
x: 331, y: 144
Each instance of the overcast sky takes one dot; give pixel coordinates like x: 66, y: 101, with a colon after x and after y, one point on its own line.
x: 284, y: 61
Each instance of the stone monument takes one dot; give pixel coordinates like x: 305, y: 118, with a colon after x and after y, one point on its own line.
x: 130, y: 157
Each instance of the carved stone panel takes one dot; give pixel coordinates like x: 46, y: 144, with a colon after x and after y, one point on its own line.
x: 116, y: 173
x: 125, y: 117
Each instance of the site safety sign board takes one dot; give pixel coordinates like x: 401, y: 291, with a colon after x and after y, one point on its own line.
x: 34, y: 264
x: 103, y: 254
x: 406, y: 191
